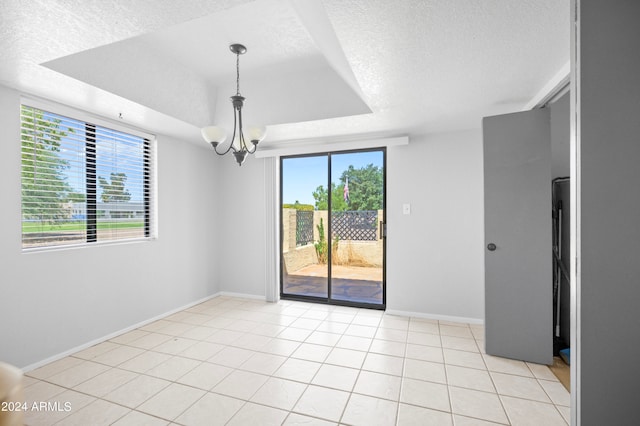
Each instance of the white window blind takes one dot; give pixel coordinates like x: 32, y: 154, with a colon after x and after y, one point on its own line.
x: 82, y: 183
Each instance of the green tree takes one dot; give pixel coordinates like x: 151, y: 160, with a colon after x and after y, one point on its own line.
x: 114, y: 191
x: 76, y: 197
x: 365, y: 190
x: 365, y: 187
x: 337, y: 198
x: 44, y: 182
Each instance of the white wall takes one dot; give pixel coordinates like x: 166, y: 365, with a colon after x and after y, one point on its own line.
x: 435, y: 256
x: 51, y: 302
x: 242, y: 226
x: 435, y: 263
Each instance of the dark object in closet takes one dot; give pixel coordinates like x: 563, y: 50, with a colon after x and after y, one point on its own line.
x: 561, y: 259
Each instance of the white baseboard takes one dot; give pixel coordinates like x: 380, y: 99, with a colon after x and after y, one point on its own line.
x: 435, y: 316
x: 114, y: 334
x: 242, y: 295
x: 73, y: 350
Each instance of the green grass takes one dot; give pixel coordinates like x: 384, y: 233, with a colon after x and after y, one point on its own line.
x: 80, y: 226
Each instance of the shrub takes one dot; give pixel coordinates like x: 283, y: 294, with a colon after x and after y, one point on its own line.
x: 321, y: 244
x: 298, y: 206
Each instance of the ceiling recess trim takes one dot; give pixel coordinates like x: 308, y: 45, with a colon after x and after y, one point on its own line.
x: 300, y: 148
x: 555, y: 86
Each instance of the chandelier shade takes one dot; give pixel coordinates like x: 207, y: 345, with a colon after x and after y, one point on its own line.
x: 238, y: 145
x: 214, y: 135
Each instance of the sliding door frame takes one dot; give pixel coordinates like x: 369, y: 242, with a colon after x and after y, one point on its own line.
x: 382, y: 229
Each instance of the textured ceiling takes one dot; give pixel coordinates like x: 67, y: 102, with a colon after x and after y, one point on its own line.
x: 192, y: 66
x: 271, y: 29
x: 315, y: 69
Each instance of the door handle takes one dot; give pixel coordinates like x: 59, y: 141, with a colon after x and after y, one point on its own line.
x: 491, y: 247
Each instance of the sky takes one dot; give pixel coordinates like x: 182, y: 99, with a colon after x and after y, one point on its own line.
x: 302, y: 175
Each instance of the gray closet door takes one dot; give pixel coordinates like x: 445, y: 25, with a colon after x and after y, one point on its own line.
x: 518, y: 246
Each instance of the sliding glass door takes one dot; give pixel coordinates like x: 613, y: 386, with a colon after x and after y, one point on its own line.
x: 304, y: 268
x: 332, y: 228
x: 357, y: 217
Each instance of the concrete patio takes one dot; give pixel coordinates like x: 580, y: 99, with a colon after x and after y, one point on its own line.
x: 349, y: 283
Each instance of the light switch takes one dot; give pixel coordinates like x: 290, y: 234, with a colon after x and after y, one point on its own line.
x: 406, y: 209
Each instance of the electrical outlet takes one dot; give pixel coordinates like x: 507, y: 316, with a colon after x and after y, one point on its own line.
x: 406, y: 209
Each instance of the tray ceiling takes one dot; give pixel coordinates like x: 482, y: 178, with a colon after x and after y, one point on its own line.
x: 314, y: 69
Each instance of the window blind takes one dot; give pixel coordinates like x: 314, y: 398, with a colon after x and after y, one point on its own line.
x: 81, y: 182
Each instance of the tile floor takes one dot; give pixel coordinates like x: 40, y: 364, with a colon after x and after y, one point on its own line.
x: 243, y: 362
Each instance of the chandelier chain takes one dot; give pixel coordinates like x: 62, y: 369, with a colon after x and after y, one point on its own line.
x: 238, y: 74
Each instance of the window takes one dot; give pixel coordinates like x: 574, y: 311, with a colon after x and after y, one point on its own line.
x: 82, y: 183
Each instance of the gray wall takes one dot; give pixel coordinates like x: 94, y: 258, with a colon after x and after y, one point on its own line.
x: 53, y: 301
x: 608, y: 175
x: 560, y: 136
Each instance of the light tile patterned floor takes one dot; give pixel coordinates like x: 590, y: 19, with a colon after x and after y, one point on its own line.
x: 244, y: 362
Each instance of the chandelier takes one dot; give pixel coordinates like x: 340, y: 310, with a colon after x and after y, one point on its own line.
x: 216, y: 136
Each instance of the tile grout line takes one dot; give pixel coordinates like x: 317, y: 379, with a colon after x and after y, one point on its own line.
x: 255, y: 351
x: 446, y: 375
